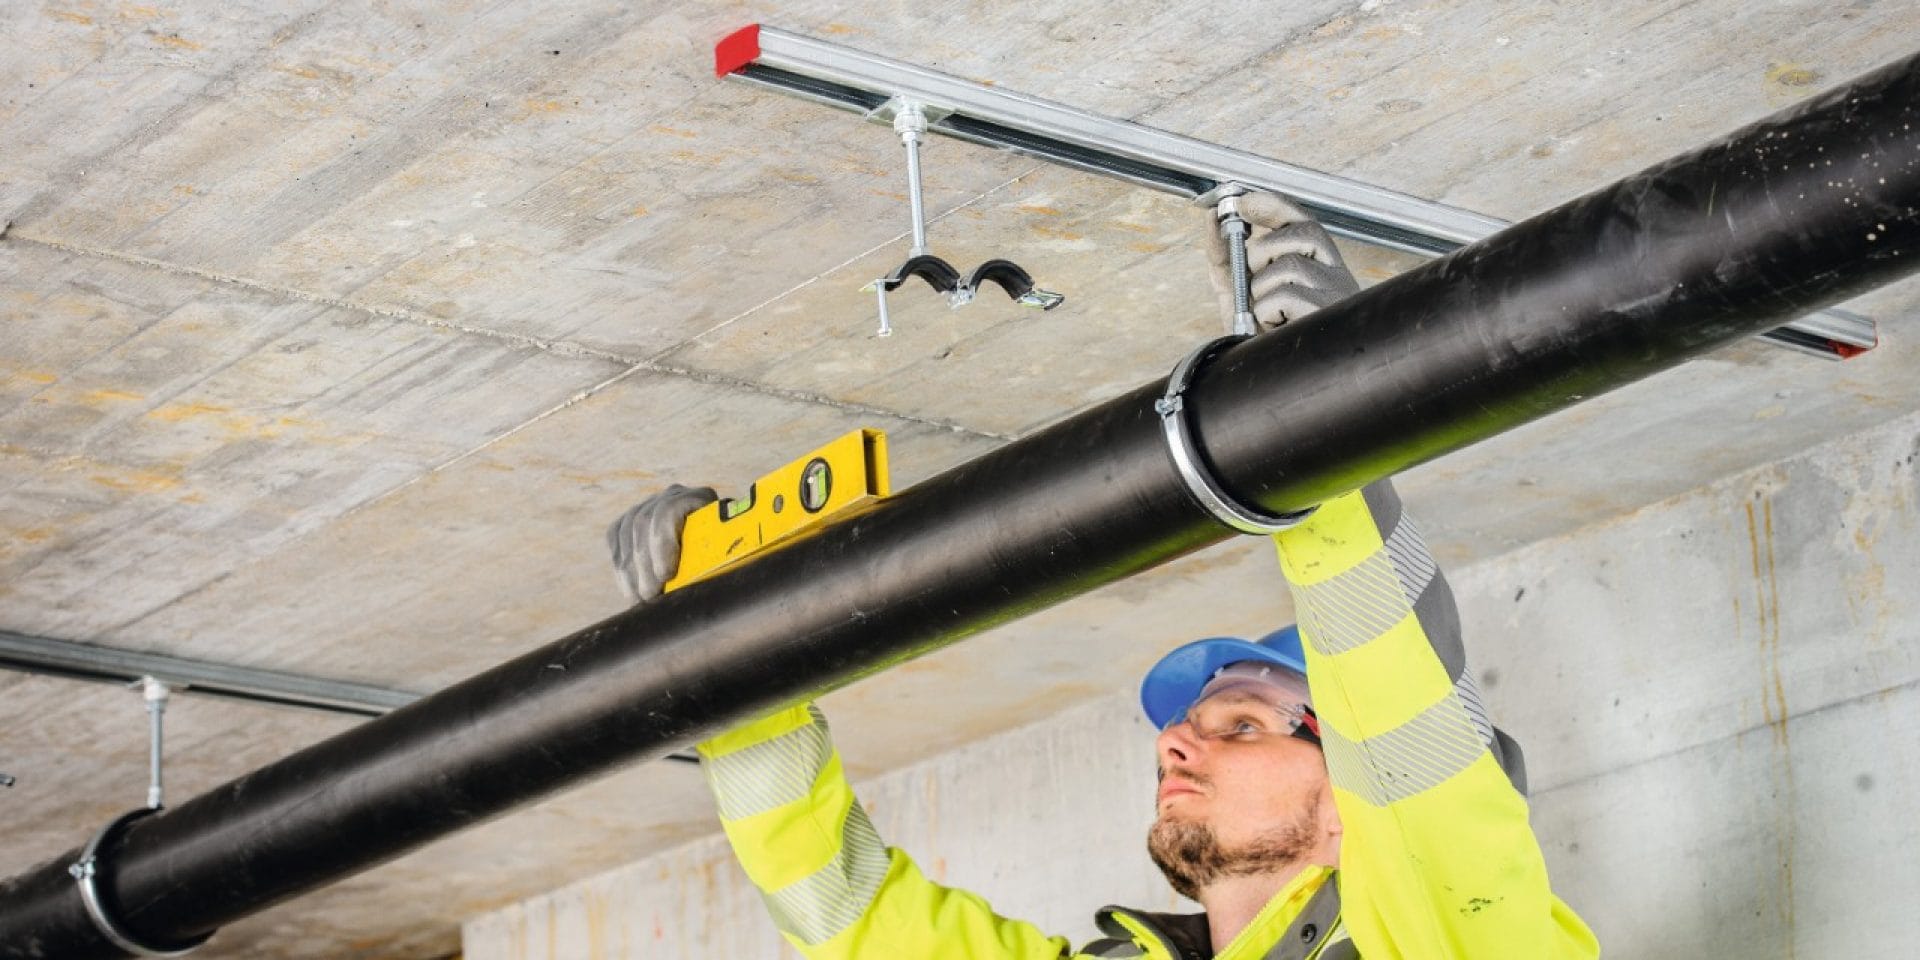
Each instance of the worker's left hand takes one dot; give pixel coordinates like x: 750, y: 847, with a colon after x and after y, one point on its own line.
x: 645, y: 541
x: 1296, y: 268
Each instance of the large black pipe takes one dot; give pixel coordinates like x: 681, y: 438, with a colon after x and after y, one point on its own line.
x: 1799, y: 211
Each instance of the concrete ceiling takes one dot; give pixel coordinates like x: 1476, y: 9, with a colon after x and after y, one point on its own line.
x: 334, y: 334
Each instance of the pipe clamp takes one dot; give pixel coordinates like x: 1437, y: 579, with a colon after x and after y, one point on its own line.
x: 86, y: 870
x: 1186, y: 456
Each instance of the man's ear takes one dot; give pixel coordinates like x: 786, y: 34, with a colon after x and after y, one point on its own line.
x: 1330, y: 827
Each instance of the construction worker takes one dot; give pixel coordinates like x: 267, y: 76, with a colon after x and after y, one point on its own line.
x: 1332, y: 791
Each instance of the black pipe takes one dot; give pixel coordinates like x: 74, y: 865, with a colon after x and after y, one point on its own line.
x: 1804, y: 209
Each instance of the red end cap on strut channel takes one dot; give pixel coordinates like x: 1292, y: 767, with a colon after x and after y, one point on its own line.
x: 738, y: 49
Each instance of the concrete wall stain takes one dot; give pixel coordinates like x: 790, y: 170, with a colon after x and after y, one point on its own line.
x: 1773, y: 695
x: 553, y: 932
x: 1868, y: 588
x: 516, y: 934
x: 595, y: 904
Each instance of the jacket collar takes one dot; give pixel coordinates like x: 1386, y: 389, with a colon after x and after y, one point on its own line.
x: 1298, y: 918
x: 1178, y: 936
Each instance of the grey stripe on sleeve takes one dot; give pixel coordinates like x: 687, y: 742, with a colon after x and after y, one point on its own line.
x: 1507, y: 750
x: 1469, y: 693
x: 1426, y: 587
x: 821, y: 905
x: 771, y: 774
x: 1350, y: 609
x: 1424, y: 752
x: 1383, y: 501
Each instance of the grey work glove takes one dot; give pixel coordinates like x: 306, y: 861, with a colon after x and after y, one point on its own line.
x: 1295, y: 266
x: 645, y: 541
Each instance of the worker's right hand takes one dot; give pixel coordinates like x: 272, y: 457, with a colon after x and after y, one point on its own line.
x: 645, y: 541
x: 1295, y: 267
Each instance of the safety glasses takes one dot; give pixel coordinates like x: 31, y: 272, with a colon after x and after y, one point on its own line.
x: 1251, y: 711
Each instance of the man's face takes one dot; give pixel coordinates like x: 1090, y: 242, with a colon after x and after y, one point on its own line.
x: 1239, y: 795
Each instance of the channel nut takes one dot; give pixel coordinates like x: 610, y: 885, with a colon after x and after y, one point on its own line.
x: 1229, y: 208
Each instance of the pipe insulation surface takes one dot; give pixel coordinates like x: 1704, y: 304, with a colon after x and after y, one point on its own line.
x: 1808, y: 207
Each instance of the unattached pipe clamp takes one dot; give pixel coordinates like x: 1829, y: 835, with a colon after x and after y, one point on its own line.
x: 1186, y: 457
x: 86, y: 872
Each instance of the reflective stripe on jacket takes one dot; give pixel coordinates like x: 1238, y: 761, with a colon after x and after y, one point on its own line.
x: 1437, y: 858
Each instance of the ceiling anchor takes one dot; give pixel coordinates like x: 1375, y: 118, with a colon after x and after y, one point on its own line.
x: 910, y: 122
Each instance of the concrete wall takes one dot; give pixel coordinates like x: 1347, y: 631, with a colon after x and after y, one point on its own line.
x: 1720, y: 696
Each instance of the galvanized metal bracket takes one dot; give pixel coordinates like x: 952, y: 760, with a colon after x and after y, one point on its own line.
x: 911, y: 118
x: 1187, y: 461
x: 85, y: 661
x: 86, y: 872
x: 872, y: 86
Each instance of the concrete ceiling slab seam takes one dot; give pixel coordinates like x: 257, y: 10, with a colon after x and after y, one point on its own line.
x: 250, y: 421
x: 530, y: 490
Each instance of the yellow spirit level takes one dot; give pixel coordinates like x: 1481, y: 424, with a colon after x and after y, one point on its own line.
x: 851, y: 471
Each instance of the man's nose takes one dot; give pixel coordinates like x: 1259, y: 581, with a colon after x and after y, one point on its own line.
x: 1178, y: 744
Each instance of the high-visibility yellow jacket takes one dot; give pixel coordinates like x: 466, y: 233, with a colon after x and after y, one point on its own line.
x: 1437, y: 861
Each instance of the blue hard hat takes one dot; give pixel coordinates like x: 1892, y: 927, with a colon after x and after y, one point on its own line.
x: 1173, y: 683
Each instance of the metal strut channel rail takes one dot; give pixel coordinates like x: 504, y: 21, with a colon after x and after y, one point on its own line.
x: 86, y: 661
x: 865, y: 83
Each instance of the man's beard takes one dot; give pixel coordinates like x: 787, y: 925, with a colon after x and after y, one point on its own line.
x: 1192, y: 858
